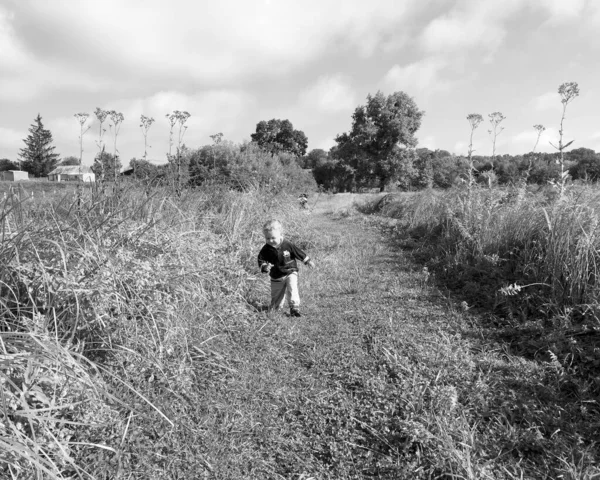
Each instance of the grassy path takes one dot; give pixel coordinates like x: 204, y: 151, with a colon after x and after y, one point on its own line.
x: 378, y: 379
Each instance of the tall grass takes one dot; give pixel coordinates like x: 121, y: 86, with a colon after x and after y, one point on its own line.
x: 523, y: 239
x: 107, y: 312
x: 529, y: 258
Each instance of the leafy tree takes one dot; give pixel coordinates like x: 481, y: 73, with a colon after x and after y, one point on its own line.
x: 211, y: 162
x: 71, y: 160
x: 424, y: 167
x: 278, y: 136
x: 315, y: 158
x: 586, y: 164
x: 382, y: 132
x: 106, y: 166
x: 38, y: 157
x: 448, y: 169
x: 334, y: 175
x: 509, y: 169
x: 6, y: 164
x: 143, y: 169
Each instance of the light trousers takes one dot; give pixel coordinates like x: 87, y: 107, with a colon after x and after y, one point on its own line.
x: 285, y: 288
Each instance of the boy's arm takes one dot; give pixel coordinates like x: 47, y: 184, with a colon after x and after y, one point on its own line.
x: 263, y: 263
x: 302, y: 256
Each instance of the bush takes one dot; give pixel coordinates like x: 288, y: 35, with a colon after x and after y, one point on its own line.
x: 247, y: 166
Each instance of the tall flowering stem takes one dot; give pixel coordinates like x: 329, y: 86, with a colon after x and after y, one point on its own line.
x: 475, y: 120
x: 98, y: 164
x: 539, y: 129
x: 117, y: 119
x: 216, y: 138
x: 568, y: 92
x: 81, y: 118
x: 146, y: 123
x: 177, y: 117
x: 496, y: 119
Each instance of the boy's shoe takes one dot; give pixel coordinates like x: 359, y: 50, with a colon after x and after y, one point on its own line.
x: 294, y: 312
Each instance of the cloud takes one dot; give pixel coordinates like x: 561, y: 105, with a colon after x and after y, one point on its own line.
x: 525, y: 140
x: 428, y: 142
x: 460, y: 148
x: 560, y: 10
x: 24, y: 78
x: 325, y: 143
x: 12, y: 55
x: 330, y: 93
x: 469, y: 25
x: 422, y: 76
x: 11, y: 140
x: 593, y: 142
x: 450, y: 34
x: 226, y: 43
x: 547, y: 101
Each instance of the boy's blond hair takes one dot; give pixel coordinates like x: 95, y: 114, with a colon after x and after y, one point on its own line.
x: 273, y: 225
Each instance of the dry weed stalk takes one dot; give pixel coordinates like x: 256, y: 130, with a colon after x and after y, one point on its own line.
x: 117, y: 118
x: 82, y: 118
x: 496, y: 119
x: 474, y: 120
x: 177, y: 117
x: 567, y: 91
x: 145, y: 126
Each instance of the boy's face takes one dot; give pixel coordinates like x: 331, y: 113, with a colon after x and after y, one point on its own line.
x: 273, y: 237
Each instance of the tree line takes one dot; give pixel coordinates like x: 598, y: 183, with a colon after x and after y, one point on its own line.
x: 379, y: 150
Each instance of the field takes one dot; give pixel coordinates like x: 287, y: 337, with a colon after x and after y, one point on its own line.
x: 439, y: 339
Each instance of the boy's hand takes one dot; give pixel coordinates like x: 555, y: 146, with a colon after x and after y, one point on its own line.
x: 311, y: 264
x: 266, y: 267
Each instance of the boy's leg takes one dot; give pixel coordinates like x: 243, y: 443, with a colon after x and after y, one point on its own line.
x: 292, y: 294
x: 277, y: 293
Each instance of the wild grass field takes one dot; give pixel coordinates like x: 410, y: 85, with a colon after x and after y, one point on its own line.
x: 134, y: 342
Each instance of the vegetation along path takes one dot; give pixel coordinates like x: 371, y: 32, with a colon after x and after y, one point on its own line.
x: 382, y: 377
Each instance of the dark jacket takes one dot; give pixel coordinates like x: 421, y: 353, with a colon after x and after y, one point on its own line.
x: 283, y: 259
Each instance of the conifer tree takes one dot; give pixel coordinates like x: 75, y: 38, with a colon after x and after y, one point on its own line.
x: 38, y: 157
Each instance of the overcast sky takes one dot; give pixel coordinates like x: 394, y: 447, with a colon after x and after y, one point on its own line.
x: 232, y: 63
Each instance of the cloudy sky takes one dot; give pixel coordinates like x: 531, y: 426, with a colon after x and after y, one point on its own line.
x: 233, y: 63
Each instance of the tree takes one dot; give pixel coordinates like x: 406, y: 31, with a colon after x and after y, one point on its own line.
x: 315, y: 158
x: 334, y: 175
x: 278, y: 136
x: 382, y: 131
x: 424, y: 167
x: 106, y: 166
x: 143, y: 169
x: 71, y: 160
x: 6, y: 164
x: 38, y: 157
x: 586, y: 164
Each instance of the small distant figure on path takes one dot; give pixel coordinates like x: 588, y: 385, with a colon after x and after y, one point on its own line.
x: 278, y: 258
x: 303, y: 199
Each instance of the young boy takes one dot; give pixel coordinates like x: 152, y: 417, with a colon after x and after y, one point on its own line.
x: 278, y: 258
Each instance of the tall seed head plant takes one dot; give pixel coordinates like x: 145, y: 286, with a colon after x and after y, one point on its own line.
x: 117, y: 119
x: 216, y: 138
x: 101, y: 116
x: 474, y: 120
x: 496, y: 119
x: 146, y: 123
x: 567, y: 91
x: 539, y: 130
x: 82, y: 118
x: 177, y: 117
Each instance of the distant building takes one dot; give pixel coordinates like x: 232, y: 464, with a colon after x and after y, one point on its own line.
x: 14, y: 175
x: 72, y: 173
